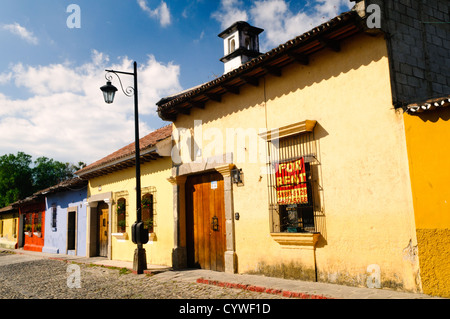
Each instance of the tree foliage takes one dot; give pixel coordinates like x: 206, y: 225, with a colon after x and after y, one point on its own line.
x: 21, y: 177
x: 16, y: 178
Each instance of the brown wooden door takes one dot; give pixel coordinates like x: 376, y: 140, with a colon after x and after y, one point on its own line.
x: 102, y: 243
x: 205, y: 220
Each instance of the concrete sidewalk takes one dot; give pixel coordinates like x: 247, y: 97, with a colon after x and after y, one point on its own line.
x: 263, y: 284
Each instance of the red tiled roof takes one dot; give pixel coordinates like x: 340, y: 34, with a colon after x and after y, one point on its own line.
x: 298, y: 49
x: 101, y: 166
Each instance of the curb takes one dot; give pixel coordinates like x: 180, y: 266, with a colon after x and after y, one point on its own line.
x: 284, y: 293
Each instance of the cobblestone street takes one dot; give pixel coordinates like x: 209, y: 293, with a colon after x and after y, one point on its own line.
x: 23, y: 277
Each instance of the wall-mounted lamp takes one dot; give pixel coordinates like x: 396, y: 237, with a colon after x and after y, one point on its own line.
x: 236, y: 176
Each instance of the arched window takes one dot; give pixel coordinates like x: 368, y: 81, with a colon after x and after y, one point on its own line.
x: 148, y: 212
x: 248, y: 43
x: 231, y: 45
x: 121, y: 215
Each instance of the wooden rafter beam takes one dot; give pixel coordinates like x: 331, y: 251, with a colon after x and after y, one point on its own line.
x: 231, y: 89
x: 183, y: 110
x: 199, y: 105
x: 331, y: 44
x: 299, y: 58
x: 250, y: 80
x: 273, y: 70
x: 214, y: 97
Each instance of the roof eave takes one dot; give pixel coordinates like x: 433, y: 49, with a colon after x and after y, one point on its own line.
x: 428, y: 105
x: 120, y: 163
x: 296, y: 50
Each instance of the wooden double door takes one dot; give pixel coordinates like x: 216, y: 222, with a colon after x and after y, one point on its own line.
x: 34, y: 222
x: 205, y: 222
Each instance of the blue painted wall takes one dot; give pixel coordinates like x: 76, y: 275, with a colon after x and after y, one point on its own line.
x: 56, y: 237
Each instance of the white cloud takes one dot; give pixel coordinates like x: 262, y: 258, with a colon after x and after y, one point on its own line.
x: 66, y: 117
x: 5, y: 78
x: 162, y: 12
x: 277, y: 19
x: 230, y: 12
x: 22, y: 32
x: 282, y: 24
x: 200, y: 38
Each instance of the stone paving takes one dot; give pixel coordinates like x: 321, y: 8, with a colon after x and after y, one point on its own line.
x: 29, y: 275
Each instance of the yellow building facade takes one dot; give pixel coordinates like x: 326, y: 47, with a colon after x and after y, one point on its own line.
x: 112, y: 193
x: 9, y: 225
x: 331, y: 108
x: 427, y: 134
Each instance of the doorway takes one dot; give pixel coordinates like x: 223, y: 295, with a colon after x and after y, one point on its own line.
x: 205, y: 221
x: 102, y: 229
x: 71, y: 231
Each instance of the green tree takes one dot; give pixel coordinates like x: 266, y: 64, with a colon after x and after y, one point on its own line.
x: 48, y: 172
x: 21, y: 177
x: 15, y: 178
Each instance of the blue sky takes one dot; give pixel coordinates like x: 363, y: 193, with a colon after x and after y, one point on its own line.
x: 50, y: 74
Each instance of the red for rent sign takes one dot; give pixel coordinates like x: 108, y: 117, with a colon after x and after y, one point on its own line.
x: 291, y: 182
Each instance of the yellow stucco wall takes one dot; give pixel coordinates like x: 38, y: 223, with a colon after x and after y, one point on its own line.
x: 8, y: 236
x: 154, y: 173
x: 364, y: 178
x: 427, y: 136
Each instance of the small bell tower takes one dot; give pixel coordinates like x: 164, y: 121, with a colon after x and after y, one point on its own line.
x: 241, y: 44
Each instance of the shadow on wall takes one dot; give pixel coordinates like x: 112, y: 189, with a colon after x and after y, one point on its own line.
x: 326, y: 64
x: 435, y: 115
x: 318, y: 192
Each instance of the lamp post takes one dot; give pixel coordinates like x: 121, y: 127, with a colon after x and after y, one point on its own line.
x: 139, y: 234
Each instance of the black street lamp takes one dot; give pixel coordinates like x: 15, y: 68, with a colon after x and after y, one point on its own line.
x: 139, y: 235
x: 109, y: 91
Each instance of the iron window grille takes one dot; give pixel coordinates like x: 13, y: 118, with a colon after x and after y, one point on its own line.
x: 121, y: 215
x: 37, y: 220
x: 149, y: 208
x: 121, y: 202
x: 27, y: 222
x: 54, y: 217
x: 293, y: 215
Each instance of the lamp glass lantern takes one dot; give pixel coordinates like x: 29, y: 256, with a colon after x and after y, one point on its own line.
x: 109, y: 91
x: 236, y: 175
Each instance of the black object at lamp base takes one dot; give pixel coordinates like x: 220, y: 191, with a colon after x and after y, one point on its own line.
x: 140, y: 260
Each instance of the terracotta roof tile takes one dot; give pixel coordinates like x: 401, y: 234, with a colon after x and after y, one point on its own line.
x: 169, y: 106
x: 145, y: 142
x: 428, y: 105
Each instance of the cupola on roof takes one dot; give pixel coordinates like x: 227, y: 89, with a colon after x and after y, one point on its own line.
x: 241, y: 44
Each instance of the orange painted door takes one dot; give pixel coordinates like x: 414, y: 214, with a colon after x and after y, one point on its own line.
x: 34, y: 234
x: 205, y: 220
x: 102, y: 222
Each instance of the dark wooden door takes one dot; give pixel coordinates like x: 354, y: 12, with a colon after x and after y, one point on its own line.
x: 71, y: 230
x: 102, y: 212
x: 205, y: 220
